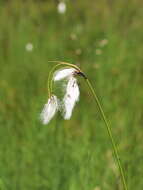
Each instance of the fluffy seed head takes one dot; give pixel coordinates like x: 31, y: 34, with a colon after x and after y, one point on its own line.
x: 29, y: 47
x: 61, y: 7
x: 71, y: 97
x: 64, y: 73
x: 49, y: 109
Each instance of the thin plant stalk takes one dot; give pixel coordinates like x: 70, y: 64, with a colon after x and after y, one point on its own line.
x: 109, y: 133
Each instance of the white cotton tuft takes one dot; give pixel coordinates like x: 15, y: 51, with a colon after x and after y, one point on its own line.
x: 64, y: 73
x: 61, y: 7
x: 71, y: 97
x: 49, y: 109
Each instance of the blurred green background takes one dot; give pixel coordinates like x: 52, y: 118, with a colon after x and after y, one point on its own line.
x: 104, y: 38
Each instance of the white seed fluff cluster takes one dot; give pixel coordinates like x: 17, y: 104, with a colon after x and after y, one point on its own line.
x: 62, y: 74
x: 71, y: 97
x: 29, y: 47
x: 69, y: 100
x: 49, y: 109
x: 61, y: 7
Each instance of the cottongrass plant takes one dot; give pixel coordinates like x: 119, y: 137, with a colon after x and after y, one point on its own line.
x: 70, y: 72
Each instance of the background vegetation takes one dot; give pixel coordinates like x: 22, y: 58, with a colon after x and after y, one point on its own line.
x: 104, y: 38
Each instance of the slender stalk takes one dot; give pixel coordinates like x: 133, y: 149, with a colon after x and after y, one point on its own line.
x: 109, y: 133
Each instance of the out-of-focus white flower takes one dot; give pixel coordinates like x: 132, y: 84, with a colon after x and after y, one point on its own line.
x: 71, y: 97
x: 64, y: 73
x: 61, y: 7
x: 103, y: 42
x: 29, y: 47
x: 49, y: 109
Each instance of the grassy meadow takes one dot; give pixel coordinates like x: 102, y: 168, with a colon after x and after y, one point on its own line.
x: 105, y: 39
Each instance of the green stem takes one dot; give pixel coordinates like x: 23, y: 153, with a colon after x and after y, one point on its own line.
x: 109, y: 133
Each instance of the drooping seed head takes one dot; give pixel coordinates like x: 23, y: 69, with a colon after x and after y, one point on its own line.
x: 64, y: 73
x: 71, y: 97
x: 49, y: 109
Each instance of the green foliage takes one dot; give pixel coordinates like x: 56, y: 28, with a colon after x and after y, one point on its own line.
x: 104, y: 38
